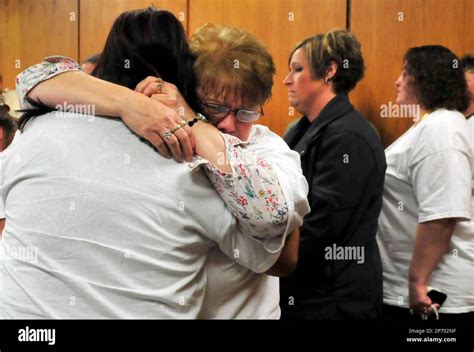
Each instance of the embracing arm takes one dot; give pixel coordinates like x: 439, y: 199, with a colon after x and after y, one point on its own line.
x: 59, y: 87
x: 286, y: 165
x: 286, y: 263
x: 58, y: 81
x: 253, y: 191
x: 432, y: 243
x: 447, y: 172
x: 2, y: 217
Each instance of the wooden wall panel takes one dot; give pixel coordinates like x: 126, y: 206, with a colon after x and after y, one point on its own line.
x: 280, y: 25
x: 97, y: 17
x: 386, y: 29
x: 31, y: 30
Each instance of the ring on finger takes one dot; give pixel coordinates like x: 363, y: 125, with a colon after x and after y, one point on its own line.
x: 167, y: 135
x: 159, y: 85
x: 178, y: 126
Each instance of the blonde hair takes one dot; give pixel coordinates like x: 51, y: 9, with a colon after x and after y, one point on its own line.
x: 231, y: 62
x: 338, y: 46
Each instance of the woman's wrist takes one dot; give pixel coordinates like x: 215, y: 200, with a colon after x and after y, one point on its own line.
x: 124, y: 101
x: 210, y: 145
x: 196, y: 118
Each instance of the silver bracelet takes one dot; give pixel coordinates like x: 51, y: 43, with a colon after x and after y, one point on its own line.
x: 196, y: 118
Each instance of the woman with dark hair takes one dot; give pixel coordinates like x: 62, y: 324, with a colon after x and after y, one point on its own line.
x: 427, y: 192
x: 339, y: 273
x: 145, y: 43
x: 8, y: 126
x: 141, y: 43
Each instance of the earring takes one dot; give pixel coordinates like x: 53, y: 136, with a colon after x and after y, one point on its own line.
x: 326, y: 80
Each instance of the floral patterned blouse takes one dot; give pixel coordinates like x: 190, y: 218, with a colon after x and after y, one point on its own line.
x: 251, y: 191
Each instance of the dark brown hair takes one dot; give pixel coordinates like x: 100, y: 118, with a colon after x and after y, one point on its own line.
x: 437, y: 77
x: 142, y: 43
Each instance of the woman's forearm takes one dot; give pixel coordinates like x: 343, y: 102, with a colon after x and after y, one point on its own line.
x: 210, y: 146
x: 255, y: 198
x: 432, y: 242
x: 59, y: 82
x: 251, y: 191
x: 286, y: 263
x: 72, y: 90
x: 76, y: 90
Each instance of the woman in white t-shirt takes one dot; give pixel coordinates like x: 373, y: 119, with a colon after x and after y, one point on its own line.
x: 427, y: 194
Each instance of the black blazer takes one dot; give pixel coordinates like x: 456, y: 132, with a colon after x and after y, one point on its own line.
x: 339, y: 273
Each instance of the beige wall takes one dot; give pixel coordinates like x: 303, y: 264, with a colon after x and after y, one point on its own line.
x: 32, y: 29
x: 97, y: 17
x: 280, y: 25
x: 386, y: 29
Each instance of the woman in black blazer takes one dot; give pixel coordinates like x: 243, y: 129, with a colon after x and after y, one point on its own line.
x: 339, y: 274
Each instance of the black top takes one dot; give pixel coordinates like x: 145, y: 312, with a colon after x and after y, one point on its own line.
x: 339, y: 273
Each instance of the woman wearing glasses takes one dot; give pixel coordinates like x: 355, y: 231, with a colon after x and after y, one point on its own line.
x: 231, y: 98
x: 233, y: 121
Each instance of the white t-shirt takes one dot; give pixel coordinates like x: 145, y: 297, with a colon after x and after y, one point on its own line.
x: 465, y: 229
x: 99, y: 225
x: 429, y: 177
x: 2, y: 212
x: 234, y: 292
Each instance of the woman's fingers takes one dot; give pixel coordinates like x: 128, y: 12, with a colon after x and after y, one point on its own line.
x: 151, y: 89
x: 174, y: 145
x: 145, y: 83
x: 184, y: 139
x: 154, y: 85
x: 160, y: 125
x: 159, y: 143
x: 167, y: 100
x: 166, y: 126
x: 184, y: 133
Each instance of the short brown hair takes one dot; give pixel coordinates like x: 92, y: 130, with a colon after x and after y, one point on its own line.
x: 232, y: 62
x: 338, y: 46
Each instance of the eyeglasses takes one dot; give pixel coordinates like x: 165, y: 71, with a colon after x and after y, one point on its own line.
x: 216, y: 112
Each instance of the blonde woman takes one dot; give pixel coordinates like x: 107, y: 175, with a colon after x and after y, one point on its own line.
x: 339, y: 273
